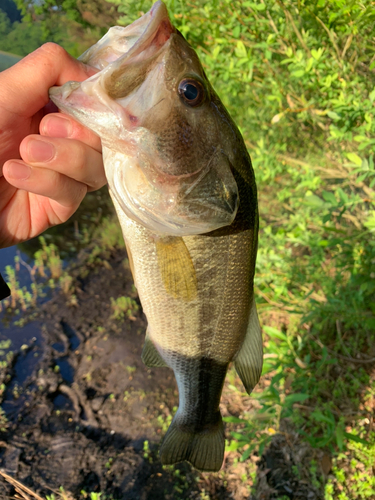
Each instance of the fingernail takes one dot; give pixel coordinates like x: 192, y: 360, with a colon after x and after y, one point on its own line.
x: 57, y: 126
x: 40, y: 151
x: 18, y: 171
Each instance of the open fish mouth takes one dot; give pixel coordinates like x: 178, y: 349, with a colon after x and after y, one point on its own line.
x: 150, y: 134
x: 112, y: 55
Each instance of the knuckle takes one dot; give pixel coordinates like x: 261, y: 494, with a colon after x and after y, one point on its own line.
x: 80, y: 156
x: 74, y: 191
x: 53, y: 50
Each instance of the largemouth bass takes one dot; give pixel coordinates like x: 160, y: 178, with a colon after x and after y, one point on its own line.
x: 184, y: 190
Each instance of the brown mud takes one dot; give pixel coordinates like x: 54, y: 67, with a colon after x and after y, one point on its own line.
x: 90, y: 417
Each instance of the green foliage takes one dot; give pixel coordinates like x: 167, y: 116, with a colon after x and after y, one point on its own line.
x: 124, y: 307
x: 351, y: 475
x: 74, y: 25
x: 109, y: 234
x: 45, y: 21
x: 19, y: 37
x: 46, y: 274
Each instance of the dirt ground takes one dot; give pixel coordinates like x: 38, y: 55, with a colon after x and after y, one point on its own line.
x: 89, y: 417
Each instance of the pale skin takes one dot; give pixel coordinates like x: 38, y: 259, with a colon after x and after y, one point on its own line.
x: 48, y: 161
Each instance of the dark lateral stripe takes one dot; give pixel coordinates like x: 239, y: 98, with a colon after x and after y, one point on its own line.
x: 4, y: 289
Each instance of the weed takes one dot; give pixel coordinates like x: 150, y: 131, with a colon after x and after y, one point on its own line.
x: 147, y: 452
x: 124, y: 307
x: 164, y: 421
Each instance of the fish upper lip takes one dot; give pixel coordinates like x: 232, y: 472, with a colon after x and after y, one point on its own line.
x: 159, y: 18
x: 157, y: 31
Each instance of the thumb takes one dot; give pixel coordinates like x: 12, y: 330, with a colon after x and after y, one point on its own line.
x: 26, y: 84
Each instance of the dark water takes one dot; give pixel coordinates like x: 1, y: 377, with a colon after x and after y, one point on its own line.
x: 69, y: 239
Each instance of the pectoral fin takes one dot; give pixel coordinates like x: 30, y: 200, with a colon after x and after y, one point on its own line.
x: 176, y: 268
x: 150, y: 355
x: 249, y: 360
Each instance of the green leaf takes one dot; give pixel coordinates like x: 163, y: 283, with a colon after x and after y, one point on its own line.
x: 236, y: 32
x: 273, y: 332
x: 295, y: 398
x: 240, y: 49
x: 320, y: 417
x: 340, y: 436
x: 309, y: 64
x: 333, y: 115
x: 314, y: 201
x: 354, y: 158
x: 329, y: 197
x: 298, y: 73
x: 353, y: 437
x: 216, y: 51
x: 317, y: 54
x: 245, y: 455
x: 234, y: 420
x: 238, y: 436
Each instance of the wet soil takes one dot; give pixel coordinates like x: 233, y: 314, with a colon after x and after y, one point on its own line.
x: 89, y: 416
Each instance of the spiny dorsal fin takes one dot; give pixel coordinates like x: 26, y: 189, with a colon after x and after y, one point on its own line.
x: 249, y: 360
x: 150, y: 355
x: 176, y: 267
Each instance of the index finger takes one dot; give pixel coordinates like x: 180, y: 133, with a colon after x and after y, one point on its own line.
x: 26, y: 83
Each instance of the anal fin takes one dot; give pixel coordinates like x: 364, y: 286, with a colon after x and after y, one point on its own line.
x: 249, y: 360
x: 150, y: 355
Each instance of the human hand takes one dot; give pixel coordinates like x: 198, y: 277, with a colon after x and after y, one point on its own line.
x: 43, y: 178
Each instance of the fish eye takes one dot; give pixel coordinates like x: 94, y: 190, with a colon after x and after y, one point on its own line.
x: 191, y: 92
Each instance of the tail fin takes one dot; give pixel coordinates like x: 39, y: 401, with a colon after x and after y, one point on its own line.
x: 204, y: 450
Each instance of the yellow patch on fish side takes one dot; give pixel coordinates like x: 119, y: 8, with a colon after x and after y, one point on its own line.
x: 176, y: 268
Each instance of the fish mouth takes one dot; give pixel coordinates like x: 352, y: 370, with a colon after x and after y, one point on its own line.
x: 112, y: 55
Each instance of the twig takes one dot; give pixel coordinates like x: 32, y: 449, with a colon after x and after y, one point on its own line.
x: 295, y: 29
x: 28, y: 267
x: 352, y: 360
x: 20, y: 488
x: 338, y: 328
x: 331, y: 38
x: 341, y: 356
x: 347, y: 45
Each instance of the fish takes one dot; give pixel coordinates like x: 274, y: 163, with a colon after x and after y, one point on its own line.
x: 184, y: 191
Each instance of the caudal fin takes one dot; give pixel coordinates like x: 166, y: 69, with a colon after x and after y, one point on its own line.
x: 204, y: 450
